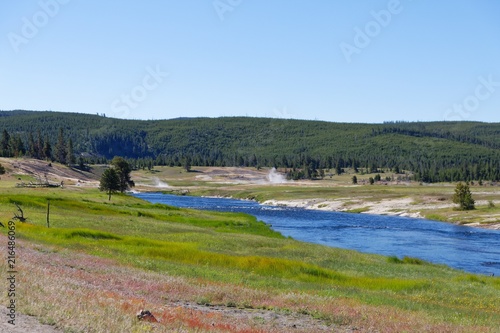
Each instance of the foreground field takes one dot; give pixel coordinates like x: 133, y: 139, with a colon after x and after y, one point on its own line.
x: 100, y: 262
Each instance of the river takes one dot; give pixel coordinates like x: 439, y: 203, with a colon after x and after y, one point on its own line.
x: 461, y: 247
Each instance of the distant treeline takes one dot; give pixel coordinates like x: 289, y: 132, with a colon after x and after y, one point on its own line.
x: 429, y: 151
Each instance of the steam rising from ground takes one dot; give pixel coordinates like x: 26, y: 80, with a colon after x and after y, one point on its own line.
x: 274, y: 177
x: 158, y: 183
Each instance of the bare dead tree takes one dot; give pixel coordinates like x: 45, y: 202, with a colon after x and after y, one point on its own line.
x: 21, y: 217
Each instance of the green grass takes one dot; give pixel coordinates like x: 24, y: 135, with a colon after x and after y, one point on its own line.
x: 128, y: 248
x: 237, y: 249
x: 358, y: 210
x: 483, y: 214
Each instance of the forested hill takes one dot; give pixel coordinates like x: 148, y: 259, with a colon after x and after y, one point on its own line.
x: 434, y: 151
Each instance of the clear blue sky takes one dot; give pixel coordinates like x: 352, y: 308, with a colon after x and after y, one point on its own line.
x: 326, y: 60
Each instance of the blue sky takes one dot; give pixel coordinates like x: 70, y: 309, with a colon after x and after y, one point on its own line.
x: 342, y: 61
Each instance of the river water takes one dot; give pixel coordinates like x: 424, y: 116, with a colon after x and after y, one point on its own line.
x: 470, y: 249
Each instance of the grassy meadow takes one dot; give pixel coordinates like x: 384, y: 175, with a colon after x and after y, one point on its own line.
x: 102, y: 261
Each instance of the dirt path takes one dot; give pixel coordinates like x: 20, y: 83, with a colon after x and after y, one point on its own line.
x: 23, y: 324
x: 278, y: 321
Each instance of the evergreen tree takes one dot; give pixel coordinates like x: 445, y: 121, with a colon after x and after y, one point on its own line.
x: 338, y: 169
x: 61, y: 151
x: 123, y: 170
x: 31, y: 146
x: 70, y: 158
x: 16, y: 146
x: 39, y: 146
x: 47, y: 149
x: 81, y: 163
x: 5, y: 144
x: 463, y: 197
x: 355, y: 166
x: 187, y: 164
x: 110, y: 182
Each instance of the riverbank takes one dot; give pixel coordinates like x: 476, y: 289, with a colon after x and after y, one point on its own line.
x: 267, y: 186
x: 404, y: 207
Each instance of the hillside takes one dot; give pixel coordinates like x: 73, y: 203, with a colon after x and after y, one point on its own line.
x: 434, y: 151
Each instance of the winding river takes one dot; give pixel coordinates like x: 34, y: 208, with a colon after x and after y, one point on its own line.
x: 465, y: 248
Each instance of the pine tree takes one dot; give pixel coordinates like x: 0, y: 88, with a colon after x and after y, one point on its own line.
x: 31, y: 145
x: 123, y: 171
x: 187, y: 164
x: 338, y: 169
x: 16, y: 146
x: 110, y: 182
x: 70, y: 158
x: 61, y: 151
x: 47, y: 149
x: 463, y: 197
x: 5, y: 144
x: 39, y: 145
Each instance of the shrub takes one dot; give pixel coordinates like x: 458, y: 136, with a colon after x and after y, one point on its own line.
x: 405, y: 260
x: 463, y: 197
